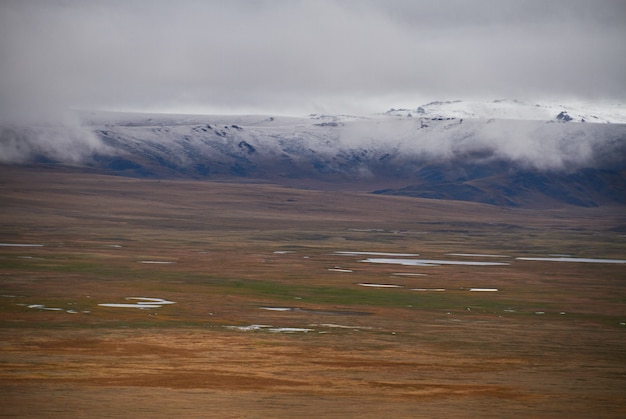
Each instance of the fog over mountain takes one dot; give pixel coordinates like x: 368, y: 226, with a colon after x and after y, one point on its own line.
x: 56, y: 136
x: 433, y: 154
x: 71, y: 71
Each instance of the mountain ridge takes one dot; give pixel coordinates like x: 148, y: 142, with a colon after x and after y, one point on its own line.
x: 507, y: 162
x: 515, y: 109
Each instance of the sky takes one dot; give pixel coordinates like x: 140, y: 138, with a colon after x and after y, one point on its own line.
x: 298, y: 57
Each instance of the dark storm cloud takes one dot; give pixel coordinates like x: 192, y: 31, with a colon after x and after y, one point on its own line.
x: 305, y: 56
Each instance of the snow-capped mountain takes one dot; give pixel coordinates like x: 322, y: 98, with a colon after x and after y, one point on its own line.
x: 432, y: 154
x: 514, y: 109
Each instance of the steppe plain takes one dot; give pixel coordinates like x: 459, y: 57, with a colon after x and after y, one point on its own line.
x: 270, y: 320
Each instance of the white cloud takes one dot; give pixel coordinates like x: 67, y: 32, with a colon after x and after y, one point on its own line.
x: 305, y: 56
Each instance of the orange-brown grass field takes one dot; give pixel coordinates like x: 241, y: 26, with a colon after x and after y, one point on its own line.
x: 266, y: 319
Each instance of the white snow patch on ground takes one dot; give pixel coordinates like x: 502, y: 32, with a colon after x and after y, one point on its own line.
x: 339, y: 326
x: 149, y: 300
x: 144, y: 303
x: 157, y: 262
x: 127, y: 305
x: 276, y: 308
x: 376, y: 254
x: 431, y: 262
x: 43, y: 307
x: 428, y: 289
x: 380, y: 285
x: 249, y: 328
x: 255, y: 327
x: 478, y: 255
x: 338, y: 269
x: 290, y: 330
x: 582, y: 260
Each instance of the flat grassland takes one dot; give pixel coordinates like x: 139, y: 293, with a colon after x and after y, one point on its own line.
x: 269, y: 320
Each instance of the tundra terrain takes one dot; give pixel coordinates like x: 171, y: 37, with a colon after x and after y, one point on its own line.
x: 125, y: 297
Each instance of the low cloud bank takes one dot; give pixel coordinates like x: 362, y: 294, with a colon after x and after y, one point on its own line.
x: 538, y: 145
x: 59, y: 138
x: 375, y: 142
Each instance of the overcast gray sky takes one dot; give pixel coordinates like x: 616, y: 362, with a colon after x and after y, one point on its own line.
x: 298, y: 56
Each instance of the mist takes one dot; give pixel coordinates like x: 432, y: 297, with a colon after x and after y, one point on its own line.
x: 280, y: 57
x: 537, y: 145
x: 48, y: 136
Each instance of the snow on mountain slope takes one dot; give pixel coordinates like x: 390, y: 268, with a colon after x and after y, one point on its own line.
x: 329, y: 140
x: 508, y: 161
x: 513, y: 109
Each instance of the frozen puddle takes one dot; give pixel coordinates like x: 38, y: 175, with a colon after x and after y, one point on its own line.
x: 431, y: 262
x: 484, y: 289
x: 376, y: 254
x: 568, y: 259
x: 144, y: 303
x: 365, y: 284
x: 157, y: 262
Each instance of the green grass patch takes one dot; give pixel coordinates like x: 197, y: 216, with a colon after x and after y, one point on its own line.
x: 359, y: 296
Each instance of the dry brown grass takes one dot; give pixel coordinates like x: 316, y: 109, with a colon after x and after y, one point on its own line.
x: 401, y: 353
